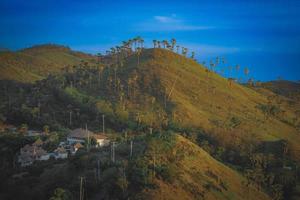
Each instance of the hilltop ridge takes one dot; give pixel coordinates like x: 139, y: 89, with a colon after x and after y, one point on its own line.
x: 35, y: 63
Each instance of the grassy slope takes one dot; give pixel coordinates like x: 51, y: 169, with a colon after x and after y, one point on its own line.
x: 201, y: 177
x: 33, y: 63
x: 207, y: 100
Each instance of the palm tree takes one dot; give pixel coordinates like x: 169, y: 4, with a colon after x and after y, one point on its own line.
x: 184, y: 51
x: 142, y: 43
x: 112, y: 50
x: 154, y: 43
x: 139, y: 39
x: 177, y: 49
x: 130, y: 42
x: 217, y: 60
x: 158, y: 44
x: 173, y: 42
x: 135, y: 40
x: 223, y: 60
x: 139, y: 51
x: 165, y: 43
x: 193, y: 55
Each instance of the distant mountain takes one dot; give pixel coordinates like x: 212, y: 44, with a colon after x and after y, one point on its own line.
x: 35, y: 63
x: 2, y: 49
x: 285, y: 88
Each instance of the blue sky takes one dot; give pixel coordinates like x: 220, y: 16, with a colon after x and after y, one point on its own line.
x: 261, y: 35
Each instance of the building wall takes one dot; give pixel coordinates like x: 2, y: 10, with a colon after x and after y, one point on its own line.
x: 74, y: 140
x: 102, y: 142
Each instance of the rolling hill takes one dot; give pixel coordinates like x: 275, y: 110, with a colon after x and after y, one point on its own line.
x: 197, y: 98
x: 157, y: 89
x: 35, y: 63
x: 162, y: 88
x: 197, y: 176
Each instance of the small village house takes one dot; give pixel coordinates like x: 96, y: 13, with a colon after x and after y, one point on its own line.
x: 30, y: 153
x: 80, y: 136
x: 60, y: 153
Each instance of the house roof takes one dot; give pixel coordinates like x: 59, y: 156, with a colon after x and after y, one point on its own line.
x: 83, y: 134
x: 60, y: 150
x: 38, y: 142
x: 33, y: 150
x: 80, y: 133
x: 100, y: 136
x: 40, y: 152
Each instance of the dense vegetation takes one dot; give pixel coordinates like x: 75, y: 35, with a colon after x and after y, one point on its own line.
x: 250, y: 128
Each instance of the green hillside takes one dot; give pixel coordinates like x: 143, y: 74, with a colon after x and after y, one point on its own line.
x: 35, y: 63
x: 194, y: 174
x: 198, y: 98
x: 160, y: 88
x: 252, y: 129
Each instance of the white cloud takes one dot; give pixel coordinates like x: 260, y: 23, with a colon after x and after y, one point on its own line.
x: 166, y: 19
x: 168, y: 23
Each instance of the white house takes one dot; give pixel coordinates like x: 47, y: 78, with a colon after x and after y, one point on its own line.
x: 30, y: 153
x: 80, y: 136
x: 25, y: 160
x: 41, y: 154
x: 102, y: 140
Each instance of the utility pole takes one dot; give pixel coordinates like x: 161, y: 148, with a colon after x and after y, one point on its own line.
x: 131, y: 145
x: 70, y: 116
x: 98, y: 171
x: 111, y: 147
x: 88, y: 135
x: 103, y: 125
x: 154, y: 166
x: 39, y: 106
x: 112, y: 152
x: 150, y: 130
x: 81, y: 192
